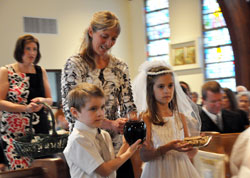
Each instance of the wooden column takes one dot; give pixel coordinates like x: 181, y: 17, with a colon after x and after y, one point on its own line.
x: 237, y: 17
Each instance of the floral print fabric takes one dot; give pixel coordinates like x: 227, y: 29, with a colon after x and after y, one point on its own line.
x: 114, y: 80
x: 14, y: 125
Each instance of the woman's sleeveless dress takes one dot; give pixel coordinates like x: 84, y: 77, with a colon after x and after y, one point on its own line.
x: 173, y: 164
x: 22, y: 88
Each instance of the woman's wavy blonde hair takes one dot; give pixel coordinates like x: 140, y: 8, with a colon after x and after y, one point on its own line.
x: 102, y: 20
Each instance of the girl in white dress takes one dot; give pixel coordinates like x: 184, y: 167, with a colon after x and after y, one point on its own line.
x: 169, y: 116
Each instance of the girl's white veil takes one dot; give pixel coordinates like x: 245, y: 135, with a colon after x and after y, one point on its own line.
x: 184, y: 103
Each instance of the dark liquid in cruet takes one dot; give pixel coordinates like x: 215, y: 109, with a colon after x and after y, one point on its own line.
x: 134, y: 130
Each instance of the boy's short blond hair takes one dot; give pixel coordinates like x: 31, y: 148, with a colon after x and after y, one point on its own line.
x: 79, y: 95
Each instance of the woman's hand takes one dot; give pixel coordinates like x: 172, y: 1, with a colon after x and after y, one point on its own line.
x: 33, y: 107
x: 118, y: 125
x: 36, y: 104
x: 41, y: 100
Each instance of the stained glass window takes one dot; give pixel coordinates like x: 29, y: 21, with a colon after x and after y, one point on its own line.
x: 210, y: 6
x: 158, y: 47
x: 216, y: 37
x: 158, y: 30
x: 152, y: 5
x: 218, y: 53
x: 226, y: 69
x: 214, y: 20
x: 228, y: 83
x: 157, y: 17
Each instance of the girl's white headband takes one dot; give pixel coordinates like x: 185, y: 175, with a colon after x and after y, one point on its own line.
x: 160, y: 72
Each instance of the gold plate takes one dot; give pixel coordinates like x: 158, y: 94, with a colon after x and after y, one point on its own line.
x: 198, y: 141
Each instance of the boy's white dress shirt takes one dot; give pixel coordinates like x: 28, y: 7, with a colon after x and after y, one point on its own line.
x: 83, y: 151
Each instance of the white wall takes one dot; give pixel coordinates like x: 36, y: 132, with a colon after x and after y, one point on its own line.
x: 185, y: 25
x: 138, y: 35
x: 74, y: 16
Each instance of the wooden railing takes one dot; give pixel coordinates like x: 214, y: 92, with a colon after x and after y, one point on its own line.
x: 41, y: 168
x: 33, y: 172
x: 223, y: 144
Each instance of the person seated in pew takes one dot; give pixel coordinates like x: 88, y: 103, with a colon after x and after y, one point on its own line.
x: 195, y: 97
x: 186, y: 88
x: 213, y: 117
x: 243, y: 99
x: 241, y: 88
x: 229, y: 102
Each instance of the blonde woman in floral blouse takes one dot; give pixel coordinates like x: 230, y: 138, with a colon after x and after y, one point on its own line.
x: 95, y: 65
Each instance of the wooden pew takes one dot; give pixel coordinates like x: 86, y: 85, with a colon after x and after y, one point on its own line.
x: 222, y: 143
x: 227, y: 142
x: 33, y: 172
x: 53, y: 167
x: 215, y: 145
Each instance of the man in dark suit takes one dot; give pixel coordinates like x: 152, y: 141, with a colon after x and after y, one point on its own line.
x: 212, y: 116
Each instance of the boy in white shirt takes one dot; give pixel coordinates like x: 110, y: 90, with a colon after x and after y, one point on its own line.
x: 86, y: 155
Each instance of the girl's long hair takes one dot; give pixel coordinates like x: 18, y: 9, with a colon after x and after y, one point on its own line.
x: 152, y: 110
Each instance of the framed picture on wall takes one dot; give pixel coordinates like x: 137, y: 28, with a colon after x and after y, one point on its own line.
x: 186, y: 55
x: 190, y: 55
x: 179, y: 58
